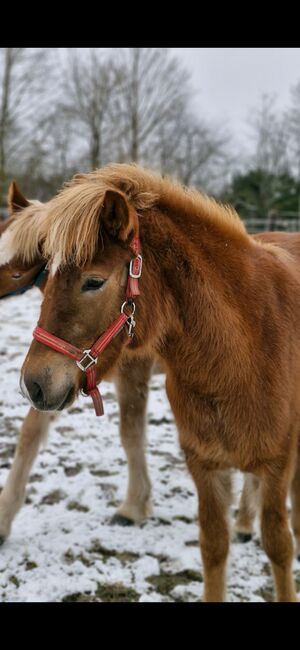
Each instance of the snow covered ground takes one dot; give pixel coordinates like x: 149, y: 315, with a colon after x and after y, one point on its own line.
x: 63, y: 546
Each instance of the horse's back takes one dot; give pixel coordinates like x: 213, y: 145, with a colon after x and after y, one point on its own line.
x: 289, y: 241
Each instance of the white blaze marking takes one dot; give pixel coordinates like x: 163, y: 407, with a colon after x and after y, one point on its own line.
x: 55, y: 264
x: 6, y: 250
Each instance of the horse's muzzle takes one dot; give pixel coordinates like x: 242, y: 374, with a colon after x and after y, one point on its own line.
x: 44, y: 394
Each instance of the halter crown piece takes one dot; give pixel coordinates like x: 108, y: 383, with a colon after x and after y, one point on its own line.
x: 86, y: 359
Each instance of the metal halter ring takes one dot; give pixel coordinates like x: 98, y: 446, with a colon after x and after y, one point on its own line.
x: 128, y: 304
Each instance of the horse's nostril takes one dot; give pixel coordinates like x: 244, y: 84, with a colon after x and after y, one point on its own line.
x: 36, y: 394
x: 45, y: 395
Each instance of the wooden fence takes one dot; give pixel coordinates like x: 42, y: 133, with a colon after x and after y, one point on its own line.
x: 288, y: 224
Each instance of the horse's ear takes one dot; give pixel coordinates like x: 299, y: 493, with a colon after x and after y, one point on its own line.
x: 16, y: 201
x: 116, y: 215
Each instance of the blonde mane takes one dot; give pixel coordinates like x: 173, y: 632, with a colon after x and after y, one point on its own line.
x: 24, y: 235
x: 73, y: 223
x: 67, y: 227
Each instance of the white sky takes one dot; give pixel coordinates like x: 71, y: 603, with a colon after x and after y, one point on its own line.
x: 230, y: 81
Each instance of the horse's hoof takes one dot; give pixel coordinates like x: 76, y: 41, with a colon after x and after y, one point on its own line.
x: 120, y: 520
x: 2, y: 540
x: 243, y: 538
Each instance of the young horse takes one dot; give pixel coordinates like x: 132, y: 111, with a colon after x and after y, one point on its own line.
x: 133, y: 389
x: 220, y: 310
x: 132, y: 382
x: 16, y: 277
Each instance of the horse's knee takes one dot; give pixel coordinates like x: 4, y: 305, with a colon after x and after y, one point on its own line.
x: 214, y: 548
x: 276, y: 537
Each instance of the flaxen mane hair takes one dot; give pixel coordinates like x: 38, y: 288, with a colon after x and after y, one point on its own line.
x: 24, y: 235
x: 68, y: 226
x: 73, y: 216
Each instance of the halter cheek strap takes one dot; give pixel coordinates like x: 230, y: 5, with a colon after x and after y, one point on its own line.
x: 86, y: 359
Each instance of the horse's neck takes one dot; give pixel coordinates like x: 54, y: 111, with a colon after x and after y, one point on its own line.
x: 199, y: 324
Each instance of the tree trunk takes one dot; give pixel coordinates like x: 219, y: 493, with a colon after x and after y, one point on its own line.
x: 4, y: 111
x: 134, y: 153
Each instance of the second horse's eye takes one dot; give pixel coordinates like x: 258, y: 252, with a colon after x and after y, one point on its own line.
x: 92, y: 284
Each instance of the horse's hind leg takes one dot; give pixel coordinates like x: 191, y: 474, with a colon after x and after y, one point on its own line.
x: 295, y: 499
x: 34, y: 429
x: 248, y: 506
x: 132, y: 388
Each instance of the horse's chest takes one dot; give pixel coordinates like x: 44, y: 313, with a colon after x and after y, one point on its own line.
x: 212, y: 431
x: 208, y: 425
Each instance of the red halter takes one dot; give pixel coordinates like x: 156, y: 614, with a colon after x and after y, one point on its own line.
x: 86, y: 359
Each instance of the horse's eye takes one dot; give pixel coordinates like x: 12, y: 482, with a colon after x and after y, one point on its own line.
x: 92, y: 284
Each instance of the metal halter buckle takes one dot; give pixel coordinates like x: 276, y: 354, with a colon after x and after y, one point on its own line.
x: 139, y: 273
x: 86, y: 355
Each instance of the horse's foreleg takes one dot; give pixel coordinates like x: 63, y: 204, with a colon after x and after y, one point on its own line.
x: 295, y: 498
x: 214, y: 493
x: 275, y: 533
x: 132, y: 388
x: 34, y: 429
x: 248, y: 506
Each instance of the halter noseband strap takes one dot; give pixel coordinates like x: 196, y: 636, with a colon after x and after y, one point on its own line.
x: 86, y: 359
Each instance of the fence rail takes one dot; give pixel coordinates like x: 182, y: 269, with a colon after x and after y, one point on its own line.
x: 287, y: 224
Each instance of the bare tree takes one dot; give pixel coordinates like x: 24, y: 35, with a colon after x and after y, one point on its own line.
x: 153, y: 86
x: 271, y: 151
x: 23, y: 98
x: 66, y: 110
x: 88, y: 101
x: 270, y: 137
x: 293, y: 118
x: 156, y: 123
x: 293, y: 122
x: 194, y: 151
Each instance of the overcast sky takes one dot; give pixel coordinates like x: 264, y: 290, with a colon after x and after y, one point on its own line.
x: 230, y: 81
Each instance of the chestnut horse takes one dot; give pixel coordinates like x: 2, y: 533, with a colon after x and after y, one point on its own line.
x: 16, y: 277
x: 134, y: 394
x: 221, y: 312
x: 132, y: 382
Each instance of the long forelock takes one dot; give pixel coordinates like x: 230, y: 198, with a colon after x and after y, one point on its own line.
x: 24, y: 235
x: 73, y: 219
